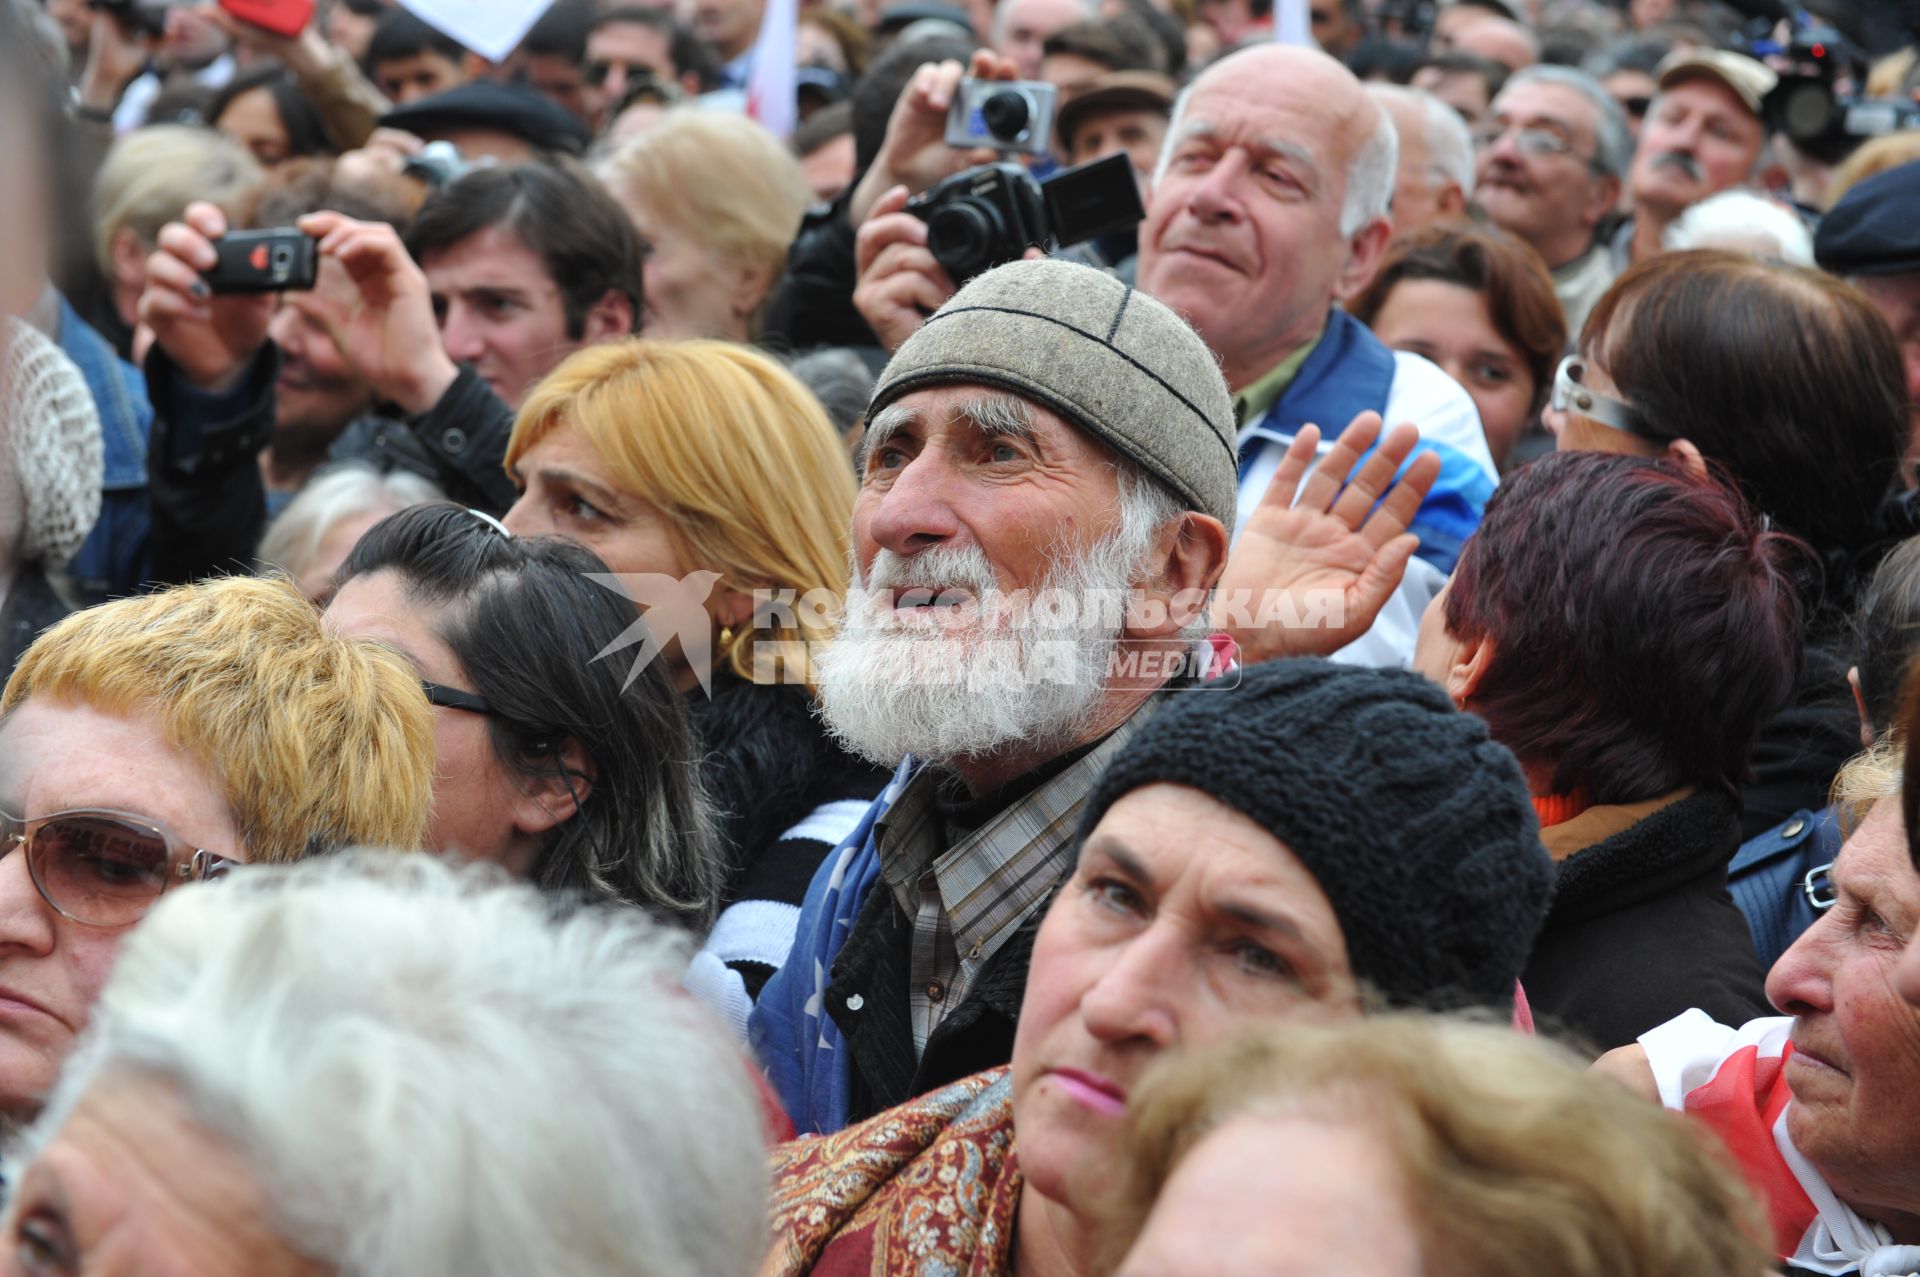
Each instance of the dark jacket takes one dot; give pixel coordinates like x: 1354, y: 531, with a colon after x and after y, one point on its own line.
x: 209, y: 499
x: 812, y: 304
x: 1776, y: 879
x: 1802, y: 748
x: 1642, y: 927
x: 30, y: 608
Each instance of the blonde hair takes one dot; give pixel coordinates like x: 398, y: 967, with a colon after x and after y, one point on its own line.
x: 319, y: 741
x: 1870, y: 159
x: 152, y: 174
x: 735, y: 452
x: 1865, y: 779
x: 720, y: 179
x: 1517, y: 1161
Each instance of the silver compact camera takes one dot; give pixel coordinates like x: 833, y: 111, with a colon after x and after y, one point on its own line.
x: 1007, y: 115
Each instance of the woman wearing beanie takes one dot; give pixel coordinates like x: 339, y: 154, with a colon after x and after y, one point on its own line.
x: 50, y: 473
x: 1293, y: 848
x: 1625, y: 628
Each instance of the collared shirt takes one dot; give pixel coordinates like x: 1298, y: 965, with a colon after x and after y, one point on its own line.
x: 1253, y: 402
x: 966, y: 899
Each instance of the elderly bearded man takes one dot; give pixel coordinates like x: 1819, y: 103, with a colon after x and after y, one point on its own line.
x: 1049, y: 432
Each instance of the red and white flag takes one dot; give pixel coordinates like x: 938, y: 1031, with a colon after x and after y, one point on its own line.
x: 772, y: 84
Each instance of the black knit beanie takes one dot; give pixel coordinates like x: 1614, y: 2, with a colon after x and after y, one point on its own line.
x: 1417, y: 825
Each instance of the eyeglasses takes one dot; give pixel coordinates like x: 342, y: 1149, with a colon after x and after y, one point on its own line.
x: 1541, y: 144
x: 454, y: 698
x: 1570, y: 396
x: 105, y: 868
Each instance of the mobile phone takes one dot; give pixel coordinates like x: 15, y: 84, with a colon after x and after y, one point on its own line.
x: 282, y: 259
x: 282, y: 17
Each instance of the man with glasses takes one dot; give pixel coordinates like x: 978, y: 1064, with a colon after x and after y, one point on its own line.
x: 151, y: 743
x: 1549, y: 165
x: 634, y: 43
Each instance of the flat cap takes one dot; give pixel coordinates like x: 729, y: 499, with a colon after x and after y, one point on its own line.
x: 1111, y: 360
x: 504, y: 108
x: 1114, y: 91
x: 1749, y: 80
x: 1874, y: 229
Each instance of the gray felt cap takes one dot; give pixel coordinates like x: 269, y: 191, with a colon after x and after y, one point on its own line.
x: 1111, y: 360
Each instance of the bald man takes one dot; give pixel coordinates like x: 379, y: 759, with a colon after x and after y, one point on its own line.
x: 1500, y: 40
x: 1272, y: 200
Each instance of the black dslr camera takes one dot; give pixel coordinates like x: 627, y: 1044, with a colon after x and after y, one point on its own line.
x: 988, y: 216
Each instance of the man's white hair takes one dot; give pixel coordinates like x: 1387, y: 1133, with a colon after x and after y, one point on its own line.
x: 1744, y: 223
x: 1370, y: 174
x: 434, y: 1072
x: 1449, y: 144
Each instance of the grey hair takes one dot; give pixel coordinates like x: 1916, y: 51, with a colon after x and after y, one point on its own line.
x: 431, y: 1073
x: 1370, y: 175
x: 345, y: 491
x: 1448, y: 141
x: 1613, y: 140
x: 1146, y: 503
x: 1734, y: 220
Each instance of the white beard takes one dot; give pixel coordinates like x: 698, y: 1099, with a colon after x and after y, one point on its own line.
x: 972, y: 681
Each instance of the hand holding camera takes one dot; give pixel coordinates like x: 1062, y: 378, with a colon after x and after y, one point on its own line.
x: 211, y: 337
x: 915, y: 153
x: 390, y: 334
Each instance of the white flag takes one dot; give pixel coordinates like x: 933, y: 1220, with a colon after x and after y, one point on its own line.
x: 772, y: 85
x: 492, y: 29
x: 1291, y: 23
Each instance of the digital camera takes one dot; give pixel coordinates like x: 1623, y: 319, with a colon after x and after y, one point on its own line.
x: 990, y: 215
x: 1007, y: 115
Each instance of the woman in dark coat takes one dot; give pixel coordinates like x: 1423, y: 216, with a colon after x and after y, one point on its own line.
x: 1625, y: 627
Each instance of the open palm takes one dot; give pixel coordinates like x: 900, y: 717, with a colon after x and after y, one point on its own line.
x: 1317, y: 560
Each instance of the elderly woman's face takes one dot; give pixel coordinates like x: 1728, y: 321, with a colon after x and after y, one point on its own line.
x: 1183, y: 921
x: 58, y: 756
x: 133, y: 1186
x: 1855, y: 1069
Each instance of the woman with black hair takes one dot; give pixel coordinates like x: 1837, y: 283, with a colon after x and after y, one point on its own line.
x: 573, y: 772
x: 266, y: 112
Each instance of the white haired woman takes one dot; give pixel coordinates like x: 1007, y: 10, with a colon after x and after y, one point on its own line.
x: 383, y: 1065
x: 312, y: 537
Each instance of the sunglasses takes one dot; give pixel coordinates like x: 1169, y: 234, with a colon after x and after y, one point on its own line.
x: 1570, y: 396
x: 454, y: 698
x: 105, y: 868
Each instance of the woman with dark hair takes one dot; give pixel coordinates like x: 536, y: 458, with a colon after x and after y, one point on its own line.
x: 573, y: 772
x: 1480, y: 304
x: 1791, y: 381
x: 1625, y: 629
x: 265, y: 111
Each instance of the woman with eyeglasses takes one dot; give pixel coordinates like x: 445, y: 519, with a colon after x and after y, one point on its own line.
x: 558, y: 765
x: 150, y: 743
x: 1625, y: 628
x: 1789, y: 382
x: 1480, y: 304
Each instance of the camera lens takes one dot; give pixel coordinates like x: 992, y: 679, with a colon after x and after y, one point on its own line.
x: 1807, y: 110
x: 1007, y: 114
x: 961, y: 236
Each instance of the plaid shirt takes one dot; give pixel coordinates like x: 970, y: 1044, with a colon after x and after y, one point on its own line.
x: 968, y: 898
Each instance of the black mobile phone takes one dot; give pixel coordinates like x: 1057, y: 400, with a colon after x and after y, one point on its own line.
x: 271, y: 261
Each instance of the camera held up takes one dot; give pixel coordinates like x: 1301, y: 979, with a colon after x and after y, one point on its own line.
x: 988, y: 216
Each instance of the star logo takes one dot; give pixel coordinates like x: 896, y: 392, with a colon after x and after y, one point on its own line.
x: 672, y: 610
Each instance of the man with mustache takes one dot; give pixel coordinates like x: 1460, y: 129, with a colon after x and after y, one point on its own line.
x: 1548, y: 168
x: 1046, y: 483
x: 1703, y: 135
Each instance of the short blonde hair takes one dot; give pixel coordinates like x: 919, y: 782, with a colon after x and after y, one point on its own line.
x: 1865, y: 779
x: 1517, y: 1160
x: 736, y: 453
x: 319, y: 741
x: 718, y: 178
x: 152, y: 174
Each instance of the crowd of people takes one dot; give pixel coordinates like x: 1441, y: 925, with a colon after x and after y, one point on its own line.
x: 624, y: 657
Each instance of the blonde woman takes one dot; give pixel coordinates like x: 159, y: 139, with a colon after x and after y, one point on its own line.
x: 718, y: 201
x: 706, y: 468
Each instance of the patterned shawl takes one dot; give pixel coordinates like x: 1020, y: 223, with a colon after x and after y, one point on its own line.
x: 927, y: 1189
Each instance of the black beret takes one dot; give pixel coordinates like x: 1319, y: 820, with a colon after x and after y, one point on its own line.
x: 1417, y: 825
x: 504, y: 108
x: 1875, y: 228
